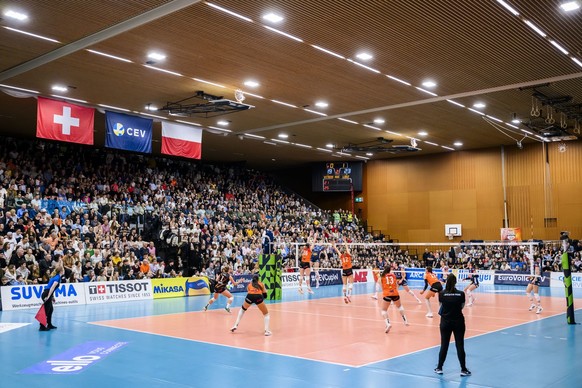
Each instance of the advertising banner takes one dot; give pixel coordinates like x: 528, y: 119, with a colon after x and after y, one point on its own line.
x: 485, y: 277
x: 119, y: 291
x: 127, y: 132
x: 557, y: 280
x: 510, y: 234
x: 27, y: 297
x: 327, y: 277
x: 363, y: 276
x: 176, y: 287
x: 242, y: 286
x: 519, y: 278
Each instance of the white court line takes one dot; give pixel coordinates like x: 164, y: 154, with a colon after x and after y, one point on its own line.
x: 223, y: 345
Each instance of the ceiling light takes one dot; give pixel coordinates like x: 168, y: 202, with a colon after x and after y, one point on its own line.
x: 364, y: 66
x: 69, y: 98
x: 347, y: 121
x: 379, y: 121
x: 31, y: 34
x: 109, y: 55
x: 59, y: 88
x: 429, y: 84
x: 372, y: 127
x: 456, y: 103
x: 163, y: 70
x: 448, y: 148
x: 328, y: 52
x: 422, y: 133
x: 321, y: 104
x: 222, y: 122
x: 426, y: 91
x: 578, y: 62
x: 156, y: 56
x: 284, y: 103
x: 323, y: 149
x: 369, y: 154
x: 251, y: 84
x: 559, y: 47
x: 514, y: 119
x: 457, y: 144
x: 479, y: 105
x: 570, y: 6
x: 273, y: 17
x: 398, y: 80
x: 282, y: 136
x: 15, y: 15
x: 229, y: 12
x: 114, y: 107
x: 207, y: 82
x: 364, y: 56
x: 17, y: 88
x: 329, y: 145
x: 151, y: 107
x: 315, y: 112
x: 535, y: 28
x: 284, y: 34
x: 508, y: 7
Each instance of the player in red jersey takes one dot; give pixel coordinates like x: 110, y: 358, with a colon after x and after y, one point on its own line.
x: 347, y: 272
x: 430, y: 279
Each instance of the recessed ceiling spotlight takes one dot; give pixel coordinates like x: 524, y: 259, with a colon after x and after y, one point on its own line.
x: 251, y: 83
x: 60, y: 88
x: 364, y: 56
x: 457, y: 144
x: 273, y: 17
x: 570, y: 6
x: 156, y: 56
x: 514, y: 119
x: 429, y: 84
x: 379, y: 120
x: 222, y: 122
x: 151, y: 107
x: 329, y: 145
x: 321, y: 104
x: 15, y: 15
x: 282, y: 136
x: 369, y: 154
x: 422, y: 133
x: 479, y: 105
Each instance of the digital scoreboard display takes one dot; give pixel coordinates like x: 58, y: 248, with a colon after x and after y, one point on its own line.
x: 337, y: 176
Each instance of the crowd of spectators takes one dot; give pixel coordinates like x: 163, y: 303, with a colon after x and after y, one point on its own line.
x: 109, y: 215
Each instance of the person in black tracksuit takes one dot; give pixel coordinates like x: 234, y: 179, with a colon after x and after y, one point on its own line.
x: 452, y: 302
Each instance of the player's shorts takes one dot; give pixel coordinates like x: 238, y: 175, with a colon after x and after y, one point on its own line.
x: 315, y: 258
x: 254, y: 299
x: 403, y: 282
x: 392, y: 298
x: 436, y: 287
x: 304, y: 264
x: 475, y: 282
x: 347, y: 272
x: 219, y: 289
x: 536, y: 281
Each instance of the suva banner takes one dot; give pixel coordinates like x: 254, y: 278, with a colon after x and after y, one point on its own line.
x: 26, y: 297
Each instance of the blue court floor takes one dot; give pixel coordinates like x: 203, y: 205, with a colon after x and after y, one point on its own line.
x: 544, y: 353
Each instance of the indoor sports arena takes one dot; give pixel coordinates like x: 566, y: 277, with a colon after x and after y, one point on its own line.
x: 290, y: 193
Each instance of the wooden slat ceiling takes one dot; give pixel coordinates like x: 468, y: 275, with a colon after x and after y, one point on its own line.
x: 464, y: 46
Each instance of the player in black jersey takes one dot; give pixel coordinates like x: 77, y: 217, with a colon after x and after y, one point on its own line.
x: 398, y: 270
x: 473, y: 278
x: 220, y: 288
x: 532, y: 291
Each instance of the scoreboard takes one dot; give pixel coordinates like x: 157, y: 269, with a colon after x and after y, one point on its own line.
x: 337, y: 176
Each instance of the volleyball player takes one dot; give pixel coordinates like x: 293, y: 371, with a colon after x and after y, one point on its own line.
x: 256, y: 294
x: 401, y: 277
x: 390, y: 295
x: 434, y: 285
x: 347, y: 272
x: 445, y: 271
x: 378, y: 268
x: 220, y: 288
x: 532, y: 291
x: 305, y: 268
x: 317, y: 253
x: 473, y: 278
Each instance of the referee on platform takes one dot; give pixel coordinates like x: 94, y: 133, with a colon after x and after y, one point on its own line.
x: 452, y: 302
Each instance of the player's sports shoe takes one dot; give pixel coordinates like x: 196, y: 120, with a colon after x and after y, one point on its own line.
x: 375, y: 297
x: 349, y: 299
x: 405, y: 321
x: 533, y: 306
x: 465, y: 372
x: 346, y: 300
x: 310, y: 290
x: 419, y: 302
x: 227, y: 309
x: 428, y: 315
x: 233, y: 328
x: 469, y: 304
x: 388, y: 327
x: 205, y: 307
x: 539, y: 310
x: 438, y: 371
x: 300, y: 290
x: 267, y: 333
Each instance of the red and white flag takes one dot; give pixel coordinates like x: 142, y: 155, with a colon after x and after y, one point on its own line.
x: 57, y: 120
x: 181, y: 140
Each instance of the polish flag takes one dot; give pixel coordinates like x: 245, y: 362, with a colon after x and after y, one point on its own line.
x: 63, y: 121
x: 181, y: 140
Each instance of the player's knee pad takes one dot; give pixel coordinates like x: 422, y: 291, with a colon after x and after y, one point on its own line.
x: 384, y: 314
x: 230, y: 300
x: 537, y: 296
x: 401, y: 308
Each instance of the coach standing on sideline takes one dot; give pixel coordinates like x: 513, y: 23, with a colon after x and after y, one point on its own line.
x: 48, y: 296
x: 452, y: 302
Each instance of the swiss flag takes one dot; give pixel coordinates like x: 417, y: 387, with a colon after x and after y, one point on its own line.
x: 181, y: 140
x: 57, y: 120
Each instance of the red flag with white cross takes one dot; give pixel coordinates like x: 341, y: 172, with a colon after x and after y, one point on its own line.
x: 63, y: 121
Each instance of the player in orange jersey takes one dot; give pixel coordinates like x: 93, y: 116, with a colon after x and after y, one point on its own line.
x: 305, y: 268
x: 432, y: 282
x: 256, y: 295
x: 347, y: 272
x: 390, y: 295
